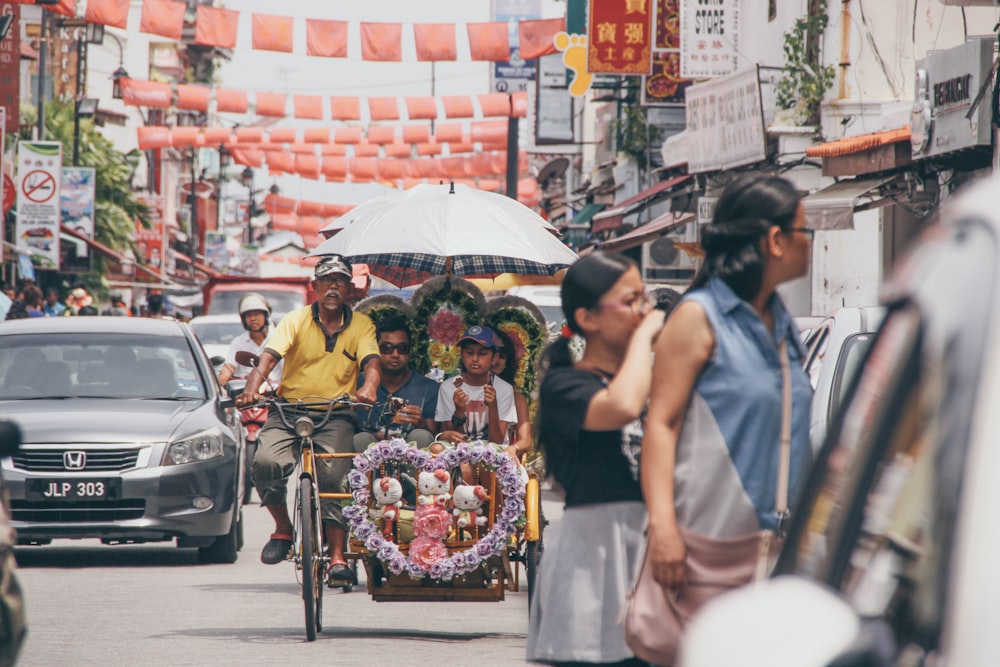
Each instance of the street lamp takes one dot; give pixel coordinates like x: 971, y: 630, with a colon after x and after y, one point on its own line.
x: 246, y: 178
x: 86, y: 107
x: 119, y: 74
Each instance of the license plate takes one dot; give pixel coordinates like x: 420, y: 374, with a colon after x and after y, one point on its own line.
x: 73, y: 489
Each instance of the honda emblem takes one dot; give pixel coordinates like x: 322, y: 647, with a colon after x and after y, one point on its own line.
x: 75, y: 460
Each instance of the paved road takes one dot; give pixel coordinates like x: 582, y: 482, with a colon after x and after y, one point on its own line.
x: 90, y: 604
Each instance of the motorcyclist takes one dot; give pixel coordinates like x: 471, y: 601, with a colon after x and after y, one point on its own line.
x: 255, y: 313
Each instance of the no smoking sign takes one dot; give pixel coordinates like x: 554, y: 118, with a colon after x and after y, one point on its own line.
x: 38, y: 186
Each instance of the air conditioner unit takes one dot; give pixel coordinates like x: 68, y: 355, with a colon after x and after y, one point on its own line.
x: 662, y: 261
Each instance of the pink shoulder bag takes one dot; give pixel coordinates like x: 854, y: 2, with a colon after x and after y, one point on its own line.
x: 655, y: 617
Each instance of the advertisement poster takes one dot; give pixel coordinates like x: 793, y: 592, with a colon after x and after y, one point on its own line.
x: 516, y: 74
x: 215, y: 251
x: 619, y: 37
x: 664, y: 86
x: 709, y: 38
x: 149, y: 242
x: 10, y: 63
x: 76, y: 201
x: 39, y: 174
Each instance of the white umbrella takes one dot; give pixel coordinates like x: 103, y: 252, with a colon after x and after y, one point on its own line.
x: 430, y: 230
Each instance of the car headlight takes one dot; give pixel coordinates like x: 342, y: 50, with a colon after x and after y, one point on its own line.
x: 199, y: 447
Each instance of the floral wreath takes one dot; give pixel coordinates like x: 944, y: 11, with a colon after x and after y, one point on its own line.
x: 462, y: 562
x: 524, y: 323
x: 443, y: 311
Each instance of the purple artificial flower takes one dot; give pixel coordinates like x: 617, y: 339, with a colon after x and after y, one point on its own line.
x: 399, y: 447
x: 361, y: 496
x: 514, y: 504
x: 421, y: 459
x: 414, y: 570
x: 357, y: 479
x: 450, y: 457
x: 476, y: 453
x: 374, y: 541
x: 363, y: 465
x: 386, y: 551
x: 463, y: 449
x: 489, y: 456
x: 373, y: 456
x: 473, y: 559
x: 384, y: 450
x: 483, y: 548
x: 397, y: 564
x: 510, y: 481
x: 363, y: 531
x: 447, y: 569
x: 352, y: 511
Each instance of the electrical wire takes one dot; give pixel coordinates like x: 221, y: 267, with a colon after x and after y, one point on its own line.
x: 870, y: 38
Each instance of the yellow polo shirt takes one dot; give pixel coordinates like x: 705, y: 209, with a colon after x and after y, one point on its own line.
x: 318, y: 362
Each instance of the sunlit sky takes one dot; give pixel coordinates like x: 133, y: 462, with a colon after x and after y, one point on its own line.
x: 297, y: 73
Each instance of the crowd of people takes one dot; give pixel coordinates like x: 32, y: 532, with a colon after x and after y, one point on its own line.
x: 29, y: 300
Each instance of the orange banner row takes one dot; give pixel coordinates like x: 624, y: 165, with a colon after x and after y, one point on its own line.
x: 193, y: 97
x: 219, y: 27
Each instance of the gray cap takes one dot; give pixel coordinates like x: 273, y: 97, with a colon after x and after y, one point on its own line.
x: 331, y: 265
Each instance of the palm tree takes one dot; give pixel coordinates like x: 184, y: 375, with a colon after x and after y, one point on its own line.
x: 116, y: 207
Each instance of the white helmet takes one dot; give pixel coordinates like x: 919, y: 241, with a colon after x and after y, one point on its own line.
x: 251, y: 302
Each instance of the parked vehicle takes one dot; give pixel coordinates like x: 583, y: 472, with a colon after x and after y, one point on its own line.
x: 127, y: 436
x: 834, y: 349
x: 890, y: 558
x: 222, y: 294
x: 13, y: 620
x: 548, y: 300
x: 215, y: 333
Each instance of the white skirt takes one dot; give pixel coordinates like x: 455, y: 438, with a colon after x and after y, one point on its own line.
x: 589, y: 564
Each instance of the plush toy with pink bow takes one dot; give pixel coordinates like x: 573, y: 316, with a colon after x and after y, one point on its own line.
x: 434, y: 487
x: 469, y: 501
x: 388, y: 494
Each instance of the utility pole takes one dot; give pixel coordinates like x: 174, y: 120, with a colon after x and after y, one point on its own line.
x: 512, y: 130
x: 43, y: 64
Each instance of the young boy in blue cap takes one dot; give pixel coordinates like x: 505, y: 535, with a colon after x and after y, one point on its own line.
x: 476, y: 405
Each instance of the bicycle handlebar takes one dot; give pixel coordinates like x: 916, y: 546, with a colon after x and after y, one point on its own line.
x: 326, y: 404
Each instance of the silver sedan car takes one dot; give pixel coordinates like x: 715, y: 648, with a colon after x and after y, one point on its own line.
x: 127, y: 436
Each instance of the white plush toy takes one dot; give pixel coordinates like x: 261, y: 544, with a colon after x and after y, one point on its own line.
x: 469, y: 505
x: 434, y: 488
x: 388, y: 498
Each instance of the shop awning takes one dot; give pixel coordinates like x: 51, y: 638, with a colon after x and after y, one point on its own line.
x: 583, y: 218
x: 613, y: 217
x: 834, y: 207
x: 109, y: 252
x: 647, y: 232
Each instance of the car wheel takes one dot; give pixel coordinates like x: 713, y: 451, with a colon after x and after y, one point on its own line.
x: 226, y: 547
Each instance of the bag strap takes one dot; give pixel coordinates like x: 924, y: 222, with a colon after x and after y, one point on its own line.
x: 785, y: 453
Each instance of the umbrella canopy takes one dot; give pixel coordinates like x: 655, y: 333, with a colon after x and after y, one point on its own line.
x: 431, y: 230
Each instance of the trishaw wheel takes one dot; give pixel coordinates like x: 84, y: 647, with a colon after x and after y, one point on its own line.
x: 307, y: 554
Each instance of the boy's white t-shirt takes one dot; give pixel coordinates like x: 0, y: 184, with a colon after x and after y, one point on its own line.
x: 476, y: 412
x: 244, y: 343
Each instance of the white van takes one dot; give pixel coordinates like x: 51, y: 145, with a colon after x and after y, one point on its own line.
x: 548, y: 300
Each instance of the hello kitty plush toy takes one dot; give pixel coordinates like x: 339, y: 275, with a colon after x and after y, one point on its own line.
x: 388, y: 498
x: 434, y: 488
x: 469, y: 505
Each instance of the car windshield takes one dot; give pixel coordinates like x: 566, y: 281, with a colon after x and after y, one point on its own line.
x: 553, y: 315
x: 216, y: 333
x: 282, y: 301
x: 98, y: 365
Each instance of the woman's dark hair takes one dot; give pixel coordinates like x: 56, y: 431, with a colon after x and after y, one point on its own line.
x: 392, y: 323
x: 586, y: 281
x: 747, y: 209
x: 510, y: 356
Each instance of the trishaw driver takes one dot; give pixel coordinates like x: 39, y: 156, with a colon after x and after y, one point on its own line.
x: 324, y: 346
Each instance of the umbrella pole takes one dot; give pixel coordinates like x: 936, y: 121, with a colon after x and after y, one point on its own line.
x: 447, y: 274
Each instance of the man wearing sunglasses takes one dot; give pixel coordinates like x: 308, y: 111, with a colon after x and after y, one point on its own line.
x: 406, y: 400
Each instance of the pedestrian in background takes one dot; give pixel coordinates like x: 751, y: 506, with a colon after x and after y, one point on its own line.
x: 52, y: 306
x: 77, y: 299
x: 711, y: 449
x: 33, y: 301
x: 5, y: 300
x: 589, y: 431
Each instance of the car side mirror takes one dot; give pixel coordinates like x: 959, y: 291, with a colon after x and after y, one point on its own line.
x: 244, y: 358
x: 226, y: 402
x: 218, y: 360
x: 235, y: 387
x: 10, y: 438
x: 783, y: 621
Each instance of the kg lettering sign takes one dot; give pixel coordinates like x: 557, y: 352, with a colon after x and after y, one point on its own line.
x: 619, y: 36
x: 39, y: 177
x: 709, y: 38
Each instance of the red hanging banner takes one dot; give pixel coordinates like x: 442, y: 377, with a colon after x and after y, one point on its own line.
x: 216, y: 27
x: 107, y: 12
x: 619, y: 36
x: 489, y: 41
x: 434, y: 41
x: 382, y: 41
x: 272, y: 33
x: 327, y: 39
x: 162, y: 17
x: 537, y: 38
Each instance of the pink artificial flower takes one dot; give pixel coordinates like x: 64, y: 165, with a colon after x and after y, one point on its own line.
x: 425, y: 551
x: 431, y: 521
x: 445, y: 326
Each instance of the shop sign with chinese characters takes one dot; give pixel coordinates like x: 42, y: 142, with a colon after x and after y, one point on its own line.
x: 725, y: 123
x: 620, y: 36
x: 664, y: 86
x: 709, y: 38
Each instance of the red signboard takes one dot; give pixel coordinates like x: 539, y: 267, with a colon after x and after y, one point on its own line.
x: 619, y: 36
x: 150, y: 242
x: 664, y: 86
x: 10, y: 65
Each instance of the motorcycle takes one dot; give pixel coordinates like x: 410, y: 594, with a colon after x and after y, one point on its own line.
x: 253, y: 420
